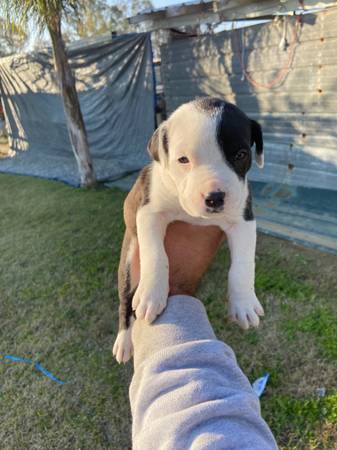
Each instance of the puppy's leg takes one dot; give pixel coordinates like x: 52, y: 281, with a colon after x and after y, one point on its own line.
x: 244, y: 307
x: 123, y: 349
x: 128, y: 278
x: 151, y: 296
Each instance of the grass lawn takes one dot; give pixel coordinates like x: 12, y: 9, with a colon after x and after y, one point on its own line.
x: 59, y: 250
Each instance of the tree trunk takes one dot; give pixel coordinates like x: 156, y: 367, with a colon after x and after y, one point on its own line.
x: 74, y: 118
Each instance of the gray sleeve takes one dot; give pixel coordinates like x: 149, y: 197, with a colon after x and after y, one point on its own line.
x: 187, y: 391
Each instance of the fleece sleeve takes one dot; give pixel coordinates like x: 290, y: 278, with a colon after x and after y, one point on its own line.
x: 187, y: 391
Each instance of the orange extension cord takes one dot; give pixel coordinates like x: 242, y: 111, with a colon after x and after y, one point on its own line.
x: 283, y: 72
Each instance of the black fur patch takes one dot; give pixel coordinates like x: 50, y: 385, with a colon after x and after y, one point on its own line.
x: 257, y: 137
x: 233, y: 135
x: 248, y: 211
x: 128, y: 296
x: 233, y: 132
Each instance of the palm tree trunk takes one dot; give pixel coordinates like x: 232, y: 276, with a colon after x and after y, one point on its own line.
x: 75, y: 123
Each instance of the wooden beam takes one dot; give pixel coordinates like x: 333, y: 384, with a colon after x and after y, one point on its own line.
x: 176, y: 22
x: 182, y: 9
x: 256, y: 9
x: 222, y: 10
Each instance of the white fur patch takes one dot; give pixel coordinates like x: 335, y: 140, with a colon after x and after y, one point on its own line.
x: 259, y: 160
x: 244, y: 307
x: 151, y: 295
x: 123, y: 348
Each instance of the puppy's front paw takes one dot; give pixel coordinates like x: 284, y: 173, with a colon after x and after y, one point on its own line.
x: 245, y: 310
x: 150, y: 300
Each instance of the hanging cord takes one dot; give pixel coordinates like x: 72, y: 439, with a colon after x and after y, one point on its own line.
x: 283, y: 45
x: 283, y: 72
x: 243, y: 76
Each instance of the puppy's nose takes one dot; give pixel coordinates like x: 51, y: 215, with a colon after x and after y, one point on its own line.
x: 215, y: 200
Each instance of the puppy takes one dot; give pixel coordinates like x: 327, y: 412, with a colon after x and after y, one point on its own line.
x: 201, y: 156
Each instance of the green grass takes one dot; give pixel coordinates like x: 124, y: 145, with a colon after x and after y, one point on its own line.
x: 59, y: 251
x: 320, y: 323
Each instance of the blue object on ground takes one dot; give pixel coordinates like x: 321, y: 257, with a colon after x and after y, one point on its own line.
x: 37, y: 366
x: 259, y: 385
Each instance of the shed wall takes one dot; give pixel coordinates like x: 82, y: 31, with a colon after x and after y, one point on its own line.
x: 298, y: 114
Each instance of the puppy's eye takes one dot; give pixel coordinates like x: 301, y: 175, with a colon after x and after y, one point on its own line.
x: 184, y: 160
x: 241, y: 154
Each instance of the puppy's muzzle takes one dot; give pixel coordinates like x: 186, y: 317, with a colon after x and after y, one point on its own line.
x: 215, y: 201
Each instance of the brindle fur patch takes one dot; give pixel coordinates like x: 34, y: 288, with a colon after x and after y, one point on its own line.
x: 165, y: 141
x: 137, y: 197
x: 248, y: 213
x: 145, y: 176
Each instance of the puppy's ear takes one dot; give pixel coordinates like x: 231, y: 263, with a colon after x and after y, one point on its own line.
x: 153, y: 145
x: 158, y: 144
x: 257, y: 138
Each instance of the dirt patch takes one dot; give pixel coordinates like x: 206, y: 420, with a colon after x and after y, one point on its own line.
x: 5, y: 151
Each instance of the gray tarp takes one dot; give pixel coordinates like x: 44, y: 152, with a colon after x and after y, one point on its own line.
x: 114, y: 80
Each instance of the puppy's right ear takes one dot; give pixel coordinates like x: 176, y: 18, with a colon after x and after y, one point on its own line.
x: 158, y: 144
x: 153, y: 145
x: 257, y: 138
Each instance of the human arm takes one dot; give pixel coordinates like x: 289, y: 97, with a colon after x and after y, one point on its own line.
x: 187, y: 391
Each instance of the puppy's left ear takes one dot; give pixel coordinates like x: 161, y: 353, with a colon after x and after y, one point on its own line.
x: 257, y: 138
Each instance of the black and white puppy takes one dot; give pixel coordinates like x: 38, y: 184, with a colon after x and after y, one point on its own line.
x: 201, y: 156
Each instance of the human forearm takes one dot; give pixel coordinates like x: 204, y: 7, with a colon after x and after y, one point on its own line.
x: 187, y: 390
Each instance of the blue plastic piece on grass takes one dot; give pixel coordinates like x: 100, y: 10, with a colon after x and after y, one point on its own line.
x: 46, y: 372
x: 37, y: 366
x: 259, y: 385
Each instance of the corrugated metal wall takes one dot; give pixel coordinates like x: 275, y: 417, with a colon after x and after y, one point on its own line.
x: 298, y: 115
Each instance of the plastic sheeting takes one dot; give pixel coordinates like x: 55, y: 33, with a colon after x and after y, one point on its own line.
x: 114, y: 80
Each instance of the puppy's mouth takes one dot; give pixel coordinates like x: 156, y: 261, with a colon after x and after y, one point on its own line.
x: 218, y: 210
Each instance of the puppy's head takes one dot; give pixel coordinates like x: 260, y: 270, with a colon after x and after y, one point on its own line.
x: 205, y: 147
